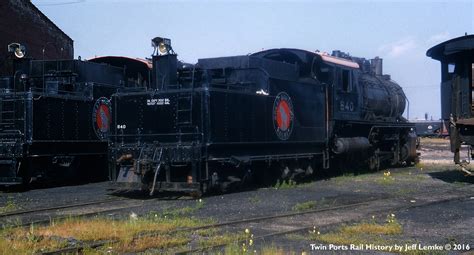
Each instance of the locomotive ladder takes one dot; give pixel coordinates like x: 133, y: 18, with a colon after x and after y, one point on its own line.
x: 184, y: 109
x: 8, y: 134
x: 8, y: 114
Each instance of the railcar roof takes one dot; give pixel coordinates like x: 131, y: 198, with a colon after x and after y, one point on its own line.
x: 451, y: 47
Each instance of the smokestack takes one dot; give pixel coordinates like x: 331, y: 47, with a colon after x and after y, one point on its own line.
x: 376, y: 66
x: 336, y: 53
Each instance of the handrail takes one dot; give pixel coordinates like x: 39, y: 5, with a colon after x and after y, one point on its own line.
x: 154, y: 135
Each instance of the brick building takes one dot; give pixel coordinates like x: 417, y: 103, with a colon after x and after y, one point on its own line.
x: 22, y: 22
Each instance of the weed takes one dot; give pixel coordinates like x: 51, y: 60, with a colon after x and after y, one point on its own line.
x: 148, y: 242
x: 182, y: 211
x: 199, y: 204
x: 9, y: 206
x: 236, y: 249
x: 254, y: 200
x: 297, y: 237
x: 274, y: 250
x: 15, y: 241
x: 345, y: 177
x: 365, y: 232
x: 216, y: 238
x: 425, y: 140
x: 285, y: 184
x: 122, y: 232
x: 304, y: 206
x: 385, y: 180
x: 420, y: 165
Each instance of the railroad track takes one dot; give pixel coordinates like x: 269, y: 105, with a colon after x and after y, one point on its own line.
x: 391, y: 204
x: 53, y: 208
x: 45, y: 215
x: 306, y: 228
x: 208, y: 226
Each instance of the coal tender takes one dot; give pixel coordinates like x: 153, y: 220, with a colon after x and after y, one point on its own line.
x: 275, y: 115
x: 55, y: 116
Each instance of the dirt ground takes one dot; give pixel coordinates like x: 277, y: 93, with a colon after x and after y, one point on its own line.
x: 432, y: 204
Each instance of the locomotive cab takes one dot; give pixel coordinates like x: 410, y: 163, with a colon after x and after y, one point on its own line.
x: 341, y: 77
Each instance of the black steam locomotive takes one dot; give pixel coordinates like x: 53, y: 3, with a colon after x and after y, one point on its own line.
x: 55, y: 116
x: 279, y: 113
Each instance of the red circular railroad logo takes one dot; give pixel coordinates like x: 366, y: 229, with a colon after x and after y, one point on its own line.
x: 101, y: 117
x: 283, y: 116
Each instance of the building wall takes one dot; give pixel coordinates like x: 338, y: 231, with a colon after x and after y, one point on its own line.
x: 22, y: 22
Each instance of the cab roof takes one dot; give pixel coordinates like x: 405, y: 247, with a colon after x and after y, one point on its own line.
x: 302, y: 57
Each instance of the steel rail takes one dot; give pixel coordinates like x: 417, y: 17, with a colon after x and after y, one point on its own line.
x: 52, y: 208
x: 87, y: 214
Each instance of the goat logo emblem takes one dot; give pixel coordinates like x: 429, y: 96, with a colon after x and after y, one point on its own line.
x: 101, y: 117
x: 283, y: 116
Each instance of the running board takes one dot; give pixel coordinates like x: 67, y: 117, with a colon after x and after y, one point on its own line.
x: 7, y: 181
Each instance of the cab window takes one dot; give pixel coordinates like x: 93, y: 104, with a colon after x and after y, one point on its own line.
x: 346, y: 80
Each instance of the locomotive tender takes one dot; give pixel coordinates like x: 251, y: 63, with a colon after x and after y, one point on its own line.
x: 54, y: 118
x: 279, y: 113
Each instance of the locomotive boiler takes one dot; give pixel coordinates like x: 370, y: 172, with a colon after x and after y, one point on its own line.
x: 274, y: 115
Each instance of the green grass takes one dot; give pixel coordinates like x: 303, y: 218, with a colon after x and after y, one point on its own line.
x: 213, y: 237
x: 181, y: 211
x: 389, y: 232
x: 304, y: 206
x: 127, y: 235
x: 363, y: 232
x: 285, y: 184
x: 385, y: 180
x: 254, y: 199
x: 237, y: 248
x: 9, y: 206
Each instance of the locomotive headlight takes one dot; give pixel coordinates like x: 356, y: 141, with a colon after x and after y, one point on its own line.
x: 163, y: 49
x: 18, y: 50
x: 162, y: 45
